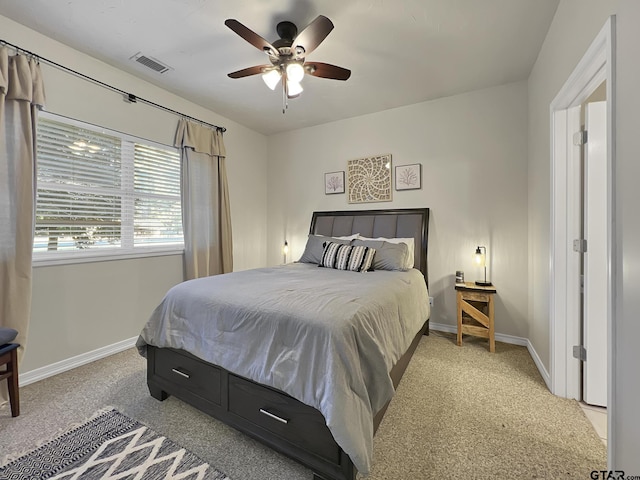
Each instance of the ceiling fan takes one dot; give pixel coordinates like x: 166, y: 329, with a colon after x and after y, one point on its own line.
x: 287, y: 56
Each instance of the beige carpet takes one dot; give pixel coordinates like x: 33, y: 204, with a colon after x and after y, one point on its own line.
x: 460, y: 413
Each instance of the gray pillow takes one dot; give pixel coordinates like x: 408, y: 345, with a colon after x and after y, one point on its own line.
x: 389, y: 256
x: 315, y: 247
x: 7, y: 335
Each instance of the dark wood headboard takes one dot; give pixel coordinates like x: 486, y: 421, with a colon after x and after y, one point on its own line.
x: 401, y: 223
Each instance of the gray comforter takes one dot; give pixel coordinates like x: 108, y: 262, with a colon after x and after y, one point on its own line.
x: 326, y: 337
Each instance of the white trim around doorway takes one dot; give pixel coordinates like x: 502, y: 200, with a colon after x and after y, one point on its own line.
x: 596, y: 66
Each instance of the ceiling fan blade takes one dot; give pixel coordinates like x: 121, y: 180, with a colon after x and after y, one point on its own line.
x: 246, y: 72
x: 312, y: 36
x: 326, y: 70
x: 252, y: 37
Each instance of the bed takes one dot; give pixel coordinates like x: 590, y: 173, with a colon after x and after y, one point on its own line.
x: 312, y: 373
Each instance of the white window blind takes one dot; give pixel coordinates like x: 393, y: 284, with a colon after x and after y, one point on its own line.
x: 103, y: 191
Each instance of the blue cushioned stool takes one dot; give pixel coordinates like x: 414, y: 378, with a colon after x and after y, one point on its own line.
x: 9, y: 359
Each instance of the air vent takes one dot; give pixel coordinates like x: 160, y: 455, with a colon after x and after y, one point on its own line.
x: 151, y: 63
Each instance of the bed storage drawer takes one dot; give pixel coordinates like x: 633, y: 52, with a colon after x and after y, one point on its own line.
x: 188, y: 372
x: 282, y: 415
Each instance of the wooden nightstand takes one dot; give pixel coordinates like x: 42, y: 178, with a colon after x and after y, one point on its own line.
x: 475, y: 312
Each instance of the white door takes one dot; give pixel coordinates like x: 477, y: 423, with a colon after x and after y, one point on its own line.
x: 596, y: 295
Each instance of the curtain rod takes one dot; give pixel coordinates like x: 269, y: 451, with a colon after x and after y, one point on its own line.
x: 128, y: 97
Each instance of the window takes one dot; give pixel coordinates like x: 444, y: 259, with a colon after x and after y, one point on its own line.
x: 102, y: 192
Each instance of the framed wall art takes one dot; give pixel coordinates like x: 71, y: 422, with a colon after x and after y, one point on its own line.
x: 333, y: 183
x: 369, y: 179
x: 409, y: 177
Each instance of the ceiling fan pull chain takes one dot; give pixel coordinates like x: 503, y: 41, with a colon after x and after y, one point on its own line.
x: 285, y: 95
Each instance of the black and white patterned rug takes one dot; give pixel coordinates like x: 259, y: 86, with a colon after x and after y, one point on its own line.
x: 110, y: 446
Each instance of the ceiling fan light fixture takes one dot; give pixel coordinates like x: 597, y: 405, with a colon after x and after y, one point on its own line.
x: 271, y: 78
x: 287, y: 56
x: 295, y: 72
x: 293, y: 88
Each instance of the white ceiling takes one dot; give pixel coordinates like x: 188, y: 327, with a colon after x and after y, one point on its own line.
x: 400, y: 52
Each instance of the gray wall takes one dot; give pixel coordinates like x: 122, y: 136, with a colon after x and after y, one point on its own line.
x: 473, y: 151
x: 626, y: 393
x: 83, y: 307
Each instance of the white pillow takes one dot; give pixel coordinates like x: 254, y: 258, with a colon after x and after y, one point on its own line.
x: 349, y: 237
x: 410, y: 250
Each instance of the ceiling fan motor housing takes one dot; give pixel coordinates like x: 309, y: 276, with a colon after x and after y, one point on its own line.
x: 287, y: 31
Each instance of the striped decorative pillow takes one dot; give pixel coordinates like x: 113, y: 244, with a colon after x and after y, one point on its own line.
x: 347, y: 257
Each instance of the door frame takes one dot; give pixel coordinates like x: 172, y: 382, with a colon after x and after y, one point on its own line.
x: 596, y: 66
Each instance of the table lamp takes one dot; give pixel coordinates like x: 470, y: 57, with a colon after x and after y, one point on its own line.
x: 481, y: 259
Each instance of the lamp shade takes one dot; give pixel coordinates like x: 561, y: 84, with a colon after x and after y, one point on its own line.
x: 481, y: 259
x: 271, y: 78
x: 293, y: 88
x: 295, y: 72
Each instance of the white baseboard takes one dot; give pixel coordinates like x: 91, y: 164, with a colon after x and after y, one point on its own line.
x: 73, y: 362
x: 501, y: 337
x: 443, y: 327
x: 543, y: 371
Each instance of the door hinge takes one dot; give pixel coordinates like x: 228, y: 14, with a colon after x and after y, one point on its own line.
x: 580, y: 138
x: 580, y: 245
x: 580, y: 353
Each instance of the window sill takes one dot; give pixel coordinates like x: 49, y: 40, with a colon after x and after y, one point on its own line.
x: 46, y: 260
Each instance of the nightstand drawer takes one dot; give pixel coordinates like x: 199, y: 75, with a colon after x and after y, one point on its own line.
x: 475, y: 296
x: 184, y: 371
x: 282, y: 415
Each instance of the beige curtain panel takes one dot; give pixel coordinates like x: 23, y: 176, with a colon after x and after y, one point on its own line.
x: 21, y: 94
x: 206, y: 216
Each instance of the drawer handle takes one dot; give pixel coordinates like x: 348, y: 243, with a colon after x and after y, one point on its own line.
x: 275, y: 417
x: 182, y: 374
